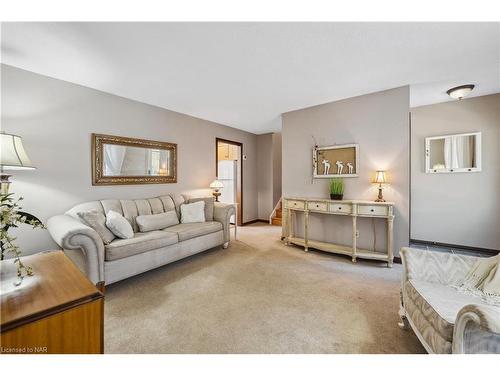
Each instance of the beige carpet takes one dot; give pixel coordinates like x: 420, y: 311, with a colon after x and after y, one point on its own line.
x: 258, y: 296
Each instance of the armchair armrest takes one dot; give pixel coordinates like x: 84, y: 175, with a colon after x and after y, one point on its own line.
x: 435, y: 267
x: 222, y: 214
x: 477, y: 330
x: 71, y: 234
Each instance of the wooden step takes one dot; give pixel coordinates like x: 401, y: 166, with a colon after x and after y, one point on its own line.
x: 276, y: 221
x: 278, y: 213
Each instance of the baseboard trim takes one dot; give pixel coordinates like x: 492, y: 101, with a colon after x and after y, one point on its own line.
x: 255, y: 221
x: 462, y: 247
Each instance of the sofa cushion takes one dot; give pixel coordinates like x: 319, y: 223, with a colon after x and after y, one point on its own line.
x: 148, y: 223
x: 193, y: 212
x: 192, y: 230
x: 119, y: 225
x: 178, y: 200
x: 97, y: 221
x: 209, y: 206
x: 140, y: 243
x: 439, y: 304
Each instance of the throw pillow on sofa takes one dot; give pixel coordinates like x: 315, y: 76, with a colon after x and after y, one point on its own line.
x: 193, y: 212
x: 209, y: 206
x: 97, y: 221
x: 164, y: 220
x: 119, y: 225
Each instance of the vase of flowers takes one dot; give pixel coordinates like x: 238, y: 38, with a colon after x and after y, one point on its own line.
x: 11, y: 215
x: 336, y: 189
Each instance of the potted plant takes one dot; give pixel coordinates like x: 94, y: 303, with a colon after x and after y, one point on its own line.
x: 336, y: 188
x: 11, y: 215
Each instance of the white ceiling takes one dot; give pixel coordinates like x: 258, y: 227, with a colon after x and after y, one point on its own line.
x: 246, y: 74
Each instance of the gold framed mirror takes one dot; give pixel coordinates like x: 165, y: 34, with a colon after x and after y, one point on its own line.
x: 127, y: 161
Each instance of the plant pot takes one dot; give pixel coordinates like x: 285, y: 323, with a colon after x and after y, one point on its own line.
x: 336, y: 197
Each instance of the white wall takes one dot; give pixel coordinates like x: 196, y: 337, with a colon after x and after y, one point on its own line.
x: 458, y: 208
x: 56, y: 119
x: 379, y: 124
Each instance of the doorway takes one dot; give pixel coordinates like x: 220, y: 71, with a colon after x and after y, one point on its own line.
x: 229, y: 170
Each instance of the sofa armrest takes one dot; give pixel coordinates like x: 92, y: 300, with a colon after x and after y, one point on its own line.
x: 71, y: 234
x: 435, y: 267
x: 477, y: 330
x: 222, y: 214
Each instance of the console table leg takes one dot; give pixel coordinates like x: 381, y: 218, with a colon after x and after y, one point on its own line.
x: 390, y: 253
x: 354, y: 237
x: 306, y: 227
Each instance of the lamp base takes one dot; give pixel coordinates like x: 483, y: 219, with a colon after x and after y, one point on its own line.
x: 380, y: 198
x: 216, y: 194
x: 4, y: 183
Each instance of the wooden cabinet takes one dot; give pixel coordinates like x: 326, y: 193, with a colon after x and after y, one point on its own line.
x: 58, y: 310
x: 355, y: 209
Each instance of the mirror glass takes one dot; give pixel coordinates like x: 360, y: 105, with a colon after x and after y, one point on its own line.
x: 136, y: 161
x: 454, y: 153
x: 121, y: 160
x: 437, y: 154
x: 464, y: 151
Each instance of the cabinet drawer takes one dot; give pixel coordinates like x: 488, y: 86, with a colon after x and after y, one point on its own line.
x: 372, y: 210
x: 299, y: 205
x: 317, y: 206
x: 340, y: 208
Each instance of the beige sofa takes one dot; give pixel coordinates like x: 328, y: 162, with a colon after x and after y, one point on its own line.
x: 122, y: 258
x: 444, y: 319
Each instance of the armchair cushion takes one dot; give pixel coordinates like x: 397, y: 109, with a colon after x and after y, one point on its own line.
x: 140, y: 243
x: 192, y: 230
x: 439, y: 304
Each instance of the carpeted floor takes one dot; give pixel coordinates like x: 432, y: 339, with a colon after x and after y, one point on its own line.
x: 259, y: 296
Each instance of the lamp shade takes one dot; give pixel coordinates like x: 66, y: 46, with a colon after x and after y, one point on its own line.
x: 12, y: 153
x: 380, y: 177
x: 216, y: 184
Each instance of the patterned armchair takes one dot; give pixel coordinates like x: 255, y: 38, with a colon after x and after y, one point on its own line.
x: 444, y: 319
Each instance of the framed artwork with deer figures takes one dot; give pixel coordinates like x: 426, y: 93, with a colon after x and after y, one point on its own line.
x: 336, y: 161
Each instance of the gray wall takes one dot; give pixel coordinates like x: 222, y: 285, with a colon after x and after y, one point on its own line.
x: 265, y: 174
x: 461, y: 208
x: 277, y: 146
x: 56, y: 119
x: 379, y: 124
x: 268, y: 172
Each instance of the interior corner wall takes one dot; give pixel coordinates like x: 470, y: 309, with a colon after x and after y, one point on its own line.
x: 265, y: 175
x: 277, y: 146
x: 56, y: 119
x: 457, y: 208
x: 379, y: 123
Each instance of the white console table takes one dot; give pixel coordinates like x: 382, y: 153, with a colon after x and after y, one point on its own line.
x: 353, y: 208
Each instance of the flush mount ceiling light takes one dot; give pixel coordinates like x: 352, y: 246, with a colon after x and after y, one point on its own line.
x: 460, y: 92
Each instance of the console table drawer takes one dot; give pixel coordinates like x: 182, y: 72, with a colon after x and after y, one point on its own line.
x: 341, y: 208
x: 372, y: 210
x: 317, y: 206
x: 299, y: 205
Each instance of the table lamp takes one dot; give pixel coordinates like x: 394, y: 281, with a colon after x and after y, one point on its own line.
x: 12, y: 157
x: 216, y: 185
x: 380, y: 178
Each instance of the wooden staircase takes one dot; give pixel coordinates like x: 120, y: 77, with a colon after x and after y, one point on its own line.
x: 276, y: 218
